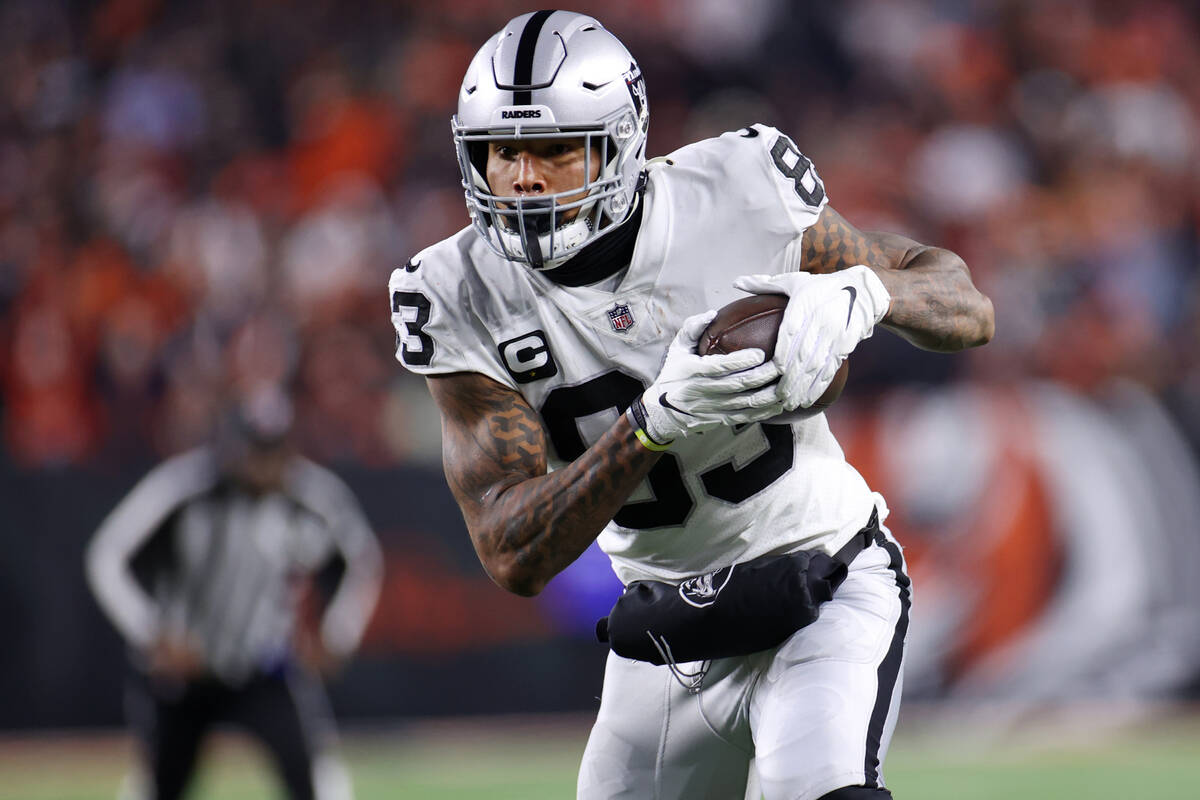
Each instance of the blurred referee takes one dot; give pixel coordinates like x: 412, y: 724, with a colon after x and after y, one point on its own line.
x: 207, y: 568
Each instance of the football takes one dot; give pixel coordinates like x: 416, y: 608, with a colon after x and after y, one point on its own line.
x: 754, y: 322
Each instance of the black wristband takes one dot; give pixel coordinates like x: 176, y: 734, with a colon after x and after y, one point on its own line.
x: 637, y: 417
x: 638, y: 409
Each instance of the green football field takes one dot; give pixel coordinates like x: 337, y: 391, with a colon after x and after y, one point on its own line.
x: 1080, y: 755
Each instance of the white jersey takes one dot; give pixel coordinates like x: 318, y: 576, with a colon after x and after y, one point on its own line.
x: 714, y: 210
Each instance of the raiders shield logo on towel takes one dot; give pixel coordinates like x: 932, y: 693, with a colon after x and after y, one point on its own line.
x: 702, y: 590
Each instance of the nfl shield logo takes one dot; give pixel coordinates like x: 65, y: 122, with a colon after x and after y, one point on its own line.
x: 621, y: 317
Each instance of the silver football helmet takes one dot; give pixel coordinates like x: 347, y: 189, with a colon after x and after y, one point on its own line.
x: 551, y: 75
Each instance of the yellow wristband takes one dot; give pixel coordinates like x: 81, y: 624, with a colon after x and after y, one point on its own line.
x: 649, y: 443
x: 636, y: 413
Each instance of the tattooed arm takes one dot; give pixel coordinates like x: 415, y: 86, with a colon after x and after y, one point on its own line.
x: 528, y: 525
x: 934, y: 303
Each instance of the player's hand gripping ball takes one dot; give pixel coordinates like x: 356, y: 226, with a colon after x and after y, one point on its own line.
x: 754, y: 322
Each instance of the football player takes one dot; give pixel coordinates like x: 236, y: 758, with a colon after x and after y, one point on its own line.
x: 558, y: 336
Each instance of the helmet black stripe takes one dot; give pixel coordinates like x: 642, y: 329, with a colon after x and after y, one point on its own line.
x: 523, y: 69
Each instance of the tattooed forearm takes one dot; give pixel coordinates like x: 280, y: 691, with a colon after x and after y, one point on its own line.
x: 934, y: 303
x: 528, y: 525
x: 502, y: 430
x: 832, y: 244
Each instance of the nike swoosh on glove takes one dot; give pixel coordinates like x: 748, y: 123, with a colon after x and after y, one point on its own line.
x: 694, y: 393
x: 826, y: 317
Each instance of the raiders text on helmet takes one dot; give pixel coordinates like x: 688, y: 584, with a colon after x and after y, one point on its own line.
x: 552, y: 75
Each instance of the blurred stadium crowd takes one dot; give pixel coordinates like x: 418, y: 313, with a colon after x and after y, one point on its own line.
x: 197, y: 191
x: 196, y: 197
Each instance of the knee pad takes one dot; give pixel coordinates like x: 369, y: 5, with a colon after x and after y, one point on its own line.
x: 857, y: 793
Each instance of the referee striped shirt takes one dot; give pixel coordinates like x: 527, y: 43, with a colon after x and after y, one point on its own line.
x: 192, y: 555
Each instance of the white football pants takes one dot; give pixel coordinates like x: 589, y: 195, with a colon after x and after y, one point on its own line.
x: 814, y: 714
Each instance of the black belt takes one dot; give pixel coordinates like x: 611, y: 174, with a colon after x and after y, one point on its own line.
x: 860, y: 541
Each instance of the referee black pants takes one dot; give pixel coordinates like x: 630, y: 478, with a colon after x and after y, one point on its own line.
x: 286, y: 712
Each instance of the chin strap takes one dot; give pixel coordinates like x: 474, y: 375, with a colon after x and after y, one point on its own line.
x: 608, y: 254
x: 533, y: 248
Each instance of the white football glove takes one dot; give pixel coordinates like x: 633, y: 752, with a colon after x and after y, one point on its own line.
x: 825, y: 318
x: 694, y: 393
